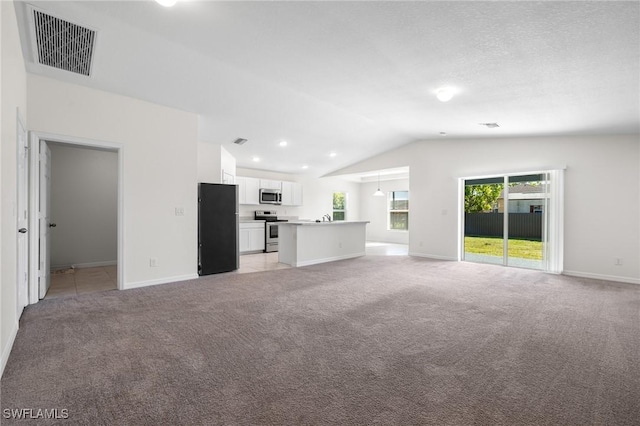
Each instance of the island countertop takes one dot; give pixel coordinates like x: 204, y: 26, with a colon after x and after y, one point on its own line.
x: 313, y: 223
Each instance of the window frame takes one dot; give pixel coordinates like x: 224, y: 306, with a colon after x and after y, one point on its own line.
x: 390, y: 210
x: 346, y: 205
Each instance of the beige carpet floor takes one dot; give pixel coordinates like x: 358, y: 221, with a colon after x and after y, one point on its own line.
x: 375, y: 340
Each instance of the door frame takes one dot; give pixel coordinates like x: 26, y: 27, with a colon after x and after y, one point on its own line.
x: 34, y: 201
x: 22, y: 192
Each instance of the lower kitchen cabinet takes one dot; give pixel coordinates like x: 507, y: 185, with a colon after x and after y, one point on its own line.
x: 252, y: 237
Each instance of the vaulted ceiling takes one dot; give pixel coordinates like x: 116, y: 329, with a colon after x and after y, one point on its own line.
x: 359, y: 78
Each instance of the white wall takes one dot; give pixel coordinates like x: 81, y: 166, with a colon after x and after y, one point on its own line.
x: 159, y: 151
x: 13, y: 90
x: 375, y: 210
x: 213, y: 160
x: 209, y: 170
x: 227, y: 163
x: 84, y: 206
x: 318, y: 197
x: 602, y: 193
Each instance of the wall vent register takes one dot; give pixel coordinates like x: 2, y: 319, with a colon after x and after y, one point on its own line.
x: 62, y: 44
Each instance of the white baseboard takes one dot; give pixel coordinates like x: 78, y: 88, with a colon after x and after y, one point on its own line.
x: 329, y: 259
x: 85, y: 265
x: 433, y: 256
x: 7, y: 348
x: 602, y: 277
x: 138, y: 284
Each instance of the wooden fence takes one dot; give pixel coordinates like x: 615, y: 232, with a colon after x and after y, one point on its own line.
x: 521, y: 225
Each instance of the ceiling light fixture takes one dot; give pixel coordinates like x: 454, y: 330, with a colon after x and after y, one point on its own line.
x: 283, y: 143
x: 255, y: 159
x: 333, y: 154
x: 445, y: 94
x: 378, y: 193
x: 167, y: 3
x: 443, y: 133
x: 305, y: 167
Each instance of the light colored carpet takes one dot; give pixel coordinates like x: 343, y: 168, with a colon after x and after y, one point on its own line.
x: 375, y: 340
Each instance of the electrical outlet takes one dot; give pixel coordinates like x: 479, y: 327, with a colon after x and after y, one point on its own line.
x: 179, y: 211
x: 339, y: 245
x: 420, y: 245
x: 153, y: 262
x: 617, y: 261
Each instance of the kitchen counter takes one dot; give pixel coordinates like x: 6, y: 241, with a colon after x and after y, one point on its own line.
x: 314, y: 223
x: 304, y: 243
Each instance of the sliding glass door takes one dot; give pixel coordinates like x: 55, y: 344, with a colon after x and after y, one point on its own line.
x: 511, y: 219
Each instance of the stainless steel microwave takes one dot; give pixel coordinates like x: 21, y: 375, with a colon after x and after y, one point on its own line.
x: 270, y: 196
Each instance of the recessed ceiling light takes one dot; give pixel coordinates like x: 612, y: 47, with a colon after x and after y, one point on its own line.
x: 283, y: 143
x: 255, y: 159
x: 305, y: 167
x: 444, y: 94
x: 167, y: 3
x: 333, y: 154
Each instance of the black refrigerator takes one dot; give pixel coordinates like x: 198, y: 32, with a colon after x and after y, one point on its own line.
x: 218, y: 228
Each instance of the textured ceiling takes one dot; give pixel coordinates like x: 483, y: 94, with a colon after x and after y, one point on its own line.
x: 358, y: 78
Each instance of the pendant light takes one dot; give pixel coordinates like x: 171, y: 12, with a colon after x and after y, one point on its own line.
x: 378, y: 193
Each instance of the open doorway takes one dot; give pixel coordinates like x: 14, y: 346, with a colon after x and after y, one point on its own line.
x: 77, y: 202
x: 84, y: 220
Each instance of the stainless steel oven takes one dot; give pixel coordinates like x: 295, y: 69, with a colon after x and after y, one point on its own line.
x: 271, y: 242
x: 271, y: 228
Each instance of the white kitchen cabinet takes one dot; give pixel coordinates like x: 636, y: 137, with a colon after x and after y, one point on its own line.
x: 248, y: 190
x: 252, y: 236
x: 291, y: 194
x: 270, y: 184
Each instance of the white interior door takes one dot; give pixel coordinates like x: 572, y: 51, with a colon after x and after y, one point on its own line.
x: 44, y: 222
x: 23, y: 218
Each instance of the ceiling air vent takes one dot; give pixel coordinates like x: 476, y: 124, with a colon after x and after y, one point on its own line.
x: 239, y: 141
x: 62, y: 44
x: 489, y: 125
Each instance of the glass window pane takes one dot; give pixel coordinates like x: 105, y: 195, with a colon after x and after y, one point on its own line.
x: 484, y: 220
x: 339, y: 206
x: 526, y: 204
x: 399, y: 220
x: 399, y: 210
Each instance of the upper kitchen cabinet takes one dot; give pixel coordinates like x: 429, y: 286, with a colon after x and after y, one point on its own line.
x: 291, y: 194
x: 248, y: 190
x: 270, y: 184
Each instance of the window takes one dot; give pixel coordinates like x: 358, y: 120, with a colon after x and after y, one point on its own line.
x: 339, y: 206
x: 399, y: 210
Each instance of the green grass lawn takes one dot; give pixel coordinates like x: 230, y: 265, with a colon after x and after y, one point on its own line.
x: 523, y: 249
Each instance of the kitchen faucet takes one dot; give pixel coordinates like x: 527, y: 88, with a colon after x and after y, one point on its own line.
x: 326, y: 216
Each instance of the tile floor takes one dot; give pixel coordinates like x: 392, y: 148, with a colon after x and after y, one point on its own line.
x: 83, y: 281
x: 91, y: 280
x: 386, y: 249
x: 260, y: 262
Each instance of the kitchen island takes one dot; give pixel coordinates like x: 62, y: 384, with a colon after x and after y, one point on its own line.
x: 307, y: 243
